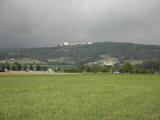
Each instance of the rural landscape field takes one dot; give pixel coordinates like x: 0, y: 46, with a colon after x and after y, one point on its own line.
x: 79, y: 97
x: 79, y: 60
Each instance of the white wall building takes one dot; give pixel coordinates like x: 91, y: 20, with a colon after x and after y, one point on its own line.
x: 66, y: 43
x: 82, y: 43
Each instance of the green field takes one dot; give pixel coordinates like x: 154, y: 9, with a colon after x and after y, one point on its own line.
x: 80, y: 97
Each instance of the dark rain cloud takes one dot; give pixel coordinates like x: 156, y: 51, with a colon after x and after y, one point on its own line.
x: 35, y: 23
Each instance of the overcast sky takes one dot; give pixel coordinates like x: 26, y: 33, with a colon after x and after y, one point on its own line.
x: 39, y: 23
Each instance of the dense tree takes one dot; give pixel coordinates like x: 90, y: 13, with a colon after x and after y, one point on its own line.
x: 126, y: 68
x: 7, y: 66
x: 2, y: 67
x: 24, y: 67
x: 16, y: 66
x: 149, y: 66
x: 38, y: 68
x: 30, y: 67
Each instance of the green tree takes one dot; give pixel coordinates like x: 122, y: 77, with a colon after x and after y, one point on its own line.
x: 24, y: 67
x: 16, y: 66
x: 38, y: 68
x: 126, y: 68
x: 2, y: 67
x: 7, y: 66
x: 30, y: 67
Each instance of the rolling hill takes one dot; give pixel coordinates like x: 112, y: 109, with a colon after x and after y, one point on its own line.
x: 82, y: 54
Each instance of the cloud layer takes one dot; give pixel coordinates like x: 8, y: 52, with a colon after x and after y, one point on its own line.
x: 38, y: 23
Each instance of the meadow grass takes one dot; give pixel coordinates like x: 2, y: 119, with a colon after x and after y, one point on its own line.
x: 80, y: 97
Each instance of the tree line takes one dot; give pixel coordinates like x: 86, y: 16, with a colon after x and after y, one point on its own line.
x: 16, y: 66
x: 147, y: 67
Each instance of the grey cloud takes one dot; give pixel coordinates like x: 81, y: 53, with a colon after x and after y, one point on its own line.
x: 35, y: 23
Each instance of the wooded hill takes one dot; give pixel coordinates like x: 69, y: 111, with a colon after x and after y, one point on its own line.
x: 82, y: 54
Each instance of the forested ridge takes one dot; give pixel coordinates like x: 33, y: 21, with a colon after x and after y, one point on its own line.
x: 80, y: 54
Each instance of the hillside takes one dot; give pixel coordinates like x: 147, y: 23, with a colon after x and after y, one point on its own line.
x: 82, y: 54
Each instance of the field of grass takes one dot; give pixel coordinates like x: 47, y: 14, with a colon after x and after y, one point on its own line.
x: 80, y: 97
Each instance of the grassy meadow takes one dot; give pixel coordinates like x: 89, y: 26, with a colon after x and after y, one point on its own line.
x: 79, y: 97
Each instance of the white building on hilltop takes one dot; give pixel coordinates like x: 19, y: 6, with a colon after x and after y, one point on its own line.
x: 66, y: 43
x: 72, y: 44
